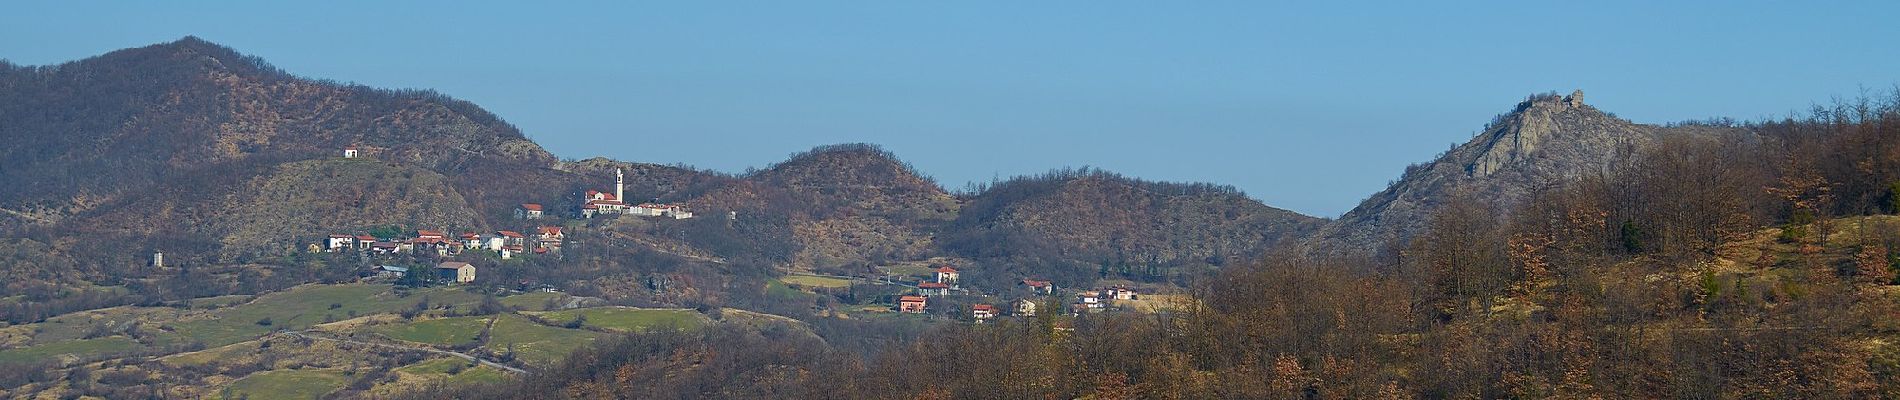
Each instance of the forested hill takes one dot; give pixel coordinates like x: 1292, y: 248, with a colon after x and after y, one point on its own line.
x: 1094, y: 220
x: 1544, y: 141
x: 214, y: 156
x: 162, y: 140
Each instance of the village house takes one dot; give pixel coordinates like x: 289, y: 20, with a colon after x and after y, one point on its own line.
x: 385, y: 247
x: 339, y: 242
x: 1025, y: 307
x: 364, y: 242
x: 528, y: 211
x: 1088, y: 301
x: 947, y: 275
x: 429, y: 234
x: 471, y: 241
x: 349, y: 151
x: 982, y: 312
x: 1121, y: 293
x: 458, y: 271
x: 549, y: 237
x: 933, y: 289
x: 673, y: 211
x: 1040, y: 287
x: 911, y: 304
x: 437, y: 245
x: 390, y: 271
x: 506, y: 239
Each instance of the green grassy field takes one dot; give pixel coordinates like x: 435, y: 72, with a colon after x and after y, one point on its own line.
x: 816, y: 281
x: 535, y: 343
x: 81, y: 347
x: 287, y: 384
x: 531, y: 301
x: 218, y: 301
x: 303, y: 306
x: 442, y: 331
x: 627, y: 319
x: 467, y: 374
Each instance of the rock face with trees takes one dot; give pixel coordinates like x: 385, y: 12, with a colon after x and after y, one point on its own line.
x: 1546, y: 140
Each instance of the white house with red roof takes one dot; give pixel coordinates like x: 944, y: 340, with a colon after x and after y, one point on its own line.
x: 982, y: 312
x: 339, y: 242
x: 933, y: 289
x: 1040, y: 287
x: 528, y: 211
x: 549, y: 237
x: 947, y: 275
x: 471, y: 241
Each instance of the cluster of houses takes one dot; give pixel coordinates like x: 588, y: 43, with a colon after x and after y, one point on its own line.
x: 1096, y: 300
x: 596, y: 202
x: 945, y: 281
x: 507, y: 244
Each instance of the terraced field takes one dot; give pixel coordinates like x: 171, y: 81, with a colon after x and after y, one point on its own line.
x: 628, y: 319
x: 815, y: 281
x: 535, y: 343
x: 286, y: 384
x: 441, y: 331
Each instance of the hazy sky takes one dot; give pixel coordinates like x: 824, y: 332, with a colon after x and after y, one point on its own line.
x: 1305, y: 107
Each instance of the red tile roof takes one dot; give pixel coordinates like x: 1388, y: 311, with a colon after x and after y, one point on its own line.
x: 932, y: 285
x: 1035, y: 283
x: 511, y: 234
x: 946, y: 269
x: 366, y: 238
x: 911, y: 299
x: 531, y: 207
x: 550, y: 230
x: 983, y: 307
x: 340, y: 236
x: 428, y: 233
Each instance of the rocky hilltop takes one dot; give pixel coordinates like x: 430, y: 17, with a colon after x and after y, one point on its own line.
x: 1545, y: 140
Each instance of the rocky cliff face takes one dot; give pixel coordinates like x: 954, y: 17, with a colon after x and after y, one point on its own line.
x: 1545, y: 140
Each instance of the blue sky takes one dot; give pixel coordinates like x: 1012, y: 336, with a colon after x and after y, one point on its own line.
x: 1309, y: 107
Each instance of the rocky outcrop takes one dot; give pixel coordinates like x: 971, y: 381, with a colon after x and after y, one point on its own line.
x: 1547, y: 139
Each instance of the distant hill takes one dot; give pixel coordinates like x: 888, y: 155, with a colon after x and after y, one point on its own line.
x: 175, y: 136
x: 1543, y: 142
x: 1087, y: 218
x: 208, y: 154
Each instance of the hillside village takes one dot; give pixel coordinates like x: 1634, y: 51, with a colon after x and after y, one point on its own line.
x: 941, y: 282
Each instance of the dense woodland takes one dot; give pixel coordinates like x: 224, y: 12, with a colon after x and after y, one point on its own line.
x: 1741, y: 267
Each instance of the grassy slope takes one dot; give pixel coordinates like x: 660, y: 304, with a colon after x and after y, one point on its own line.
x: 442, y: 331
x: 535, y: 343
x: 303, y: 306
x: 815, y: 281
x: 288, y: 384
x: 627, y: 319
